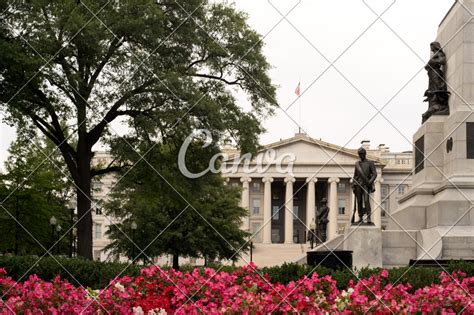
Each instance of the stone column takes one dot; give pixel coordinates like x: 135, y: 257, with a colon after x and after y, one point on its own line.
x: 332, y: 226
x: 289, y: 210
x: 310, y: 200
x: 377, y: 204
x: 245, y: 202
x: 267, y: 210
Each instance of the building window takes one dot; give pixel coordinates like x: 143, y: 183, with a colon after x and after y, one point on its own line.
x: 296, y: 236
x: 275, y: 196
x: 97, y: 186
x: 234, y: 184
x: 275, y: 213
x: 342, y: 206
x: 341, y: 188
x: 276, y: 236
x: 403, y: 161
x: 256, y: 206
x: 256, y: 187
x: 296, y: 214
x: 98, y: 210
x: 384, y: 190
x: 401, y: 189
x: 384, y: 206
x: 97, y: 254
x: 98, y: 231
x: 255, y: 230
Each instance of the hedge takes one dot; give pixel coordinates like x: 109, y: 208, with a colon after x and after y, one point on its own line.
x: 94, y: 274
x: 97, y: 274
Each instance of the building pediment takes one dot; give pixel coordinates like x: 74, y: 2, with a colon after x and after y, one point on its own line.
x: 306, y: 150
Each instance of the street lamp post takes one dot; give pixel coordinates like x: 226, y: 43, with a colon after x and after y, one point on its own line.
x: 52, y: 222
x: 58, y: 229
x: 251, y: 251
x: 134, y: 227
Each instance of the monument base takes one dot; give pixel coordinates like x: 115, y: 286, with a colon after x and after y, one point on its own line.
x: 435, y: 219
x: 333, y: 259
x: 366, y: 243
x: 363, y: 224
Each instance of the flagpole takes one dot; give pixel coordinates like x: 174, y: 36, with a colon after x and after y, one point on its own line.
x: 299, y: 101
x: 298, y: 93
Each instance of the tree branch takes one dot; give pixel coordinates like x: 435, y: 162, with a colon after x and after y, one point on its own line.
x: 95, y: 133
x: 61, y: 87
x: 108, y: 169
x: 66, y: 150
x: 114, y: 45
x: 220, y: 78
x: 56, y: 126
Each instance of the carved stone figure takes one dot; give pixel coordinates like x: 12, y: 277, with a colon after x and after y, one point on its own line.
x: 312, y: 234
x: 437, y: 94
x: 363, y: 184
x: 322, y: 221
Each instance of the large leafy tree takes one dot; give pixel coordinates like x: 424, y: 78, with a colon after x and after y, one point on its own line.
x: 182, y: 216
x: 32, y: 189
x: 70, y: 67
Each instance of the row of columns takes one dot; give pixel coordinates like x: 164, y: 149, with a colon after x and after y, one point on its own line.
x: 310, y: 205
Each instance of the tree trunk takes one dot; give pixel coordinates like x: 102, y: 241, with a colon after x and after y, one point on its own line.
x: 17, y: 226
x: 175, y: 262
x: 71, y: 233
x: 84, y: 214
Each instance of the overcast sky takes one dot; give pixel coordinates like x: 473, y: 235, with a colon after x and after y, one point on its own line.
x: 376, y: 65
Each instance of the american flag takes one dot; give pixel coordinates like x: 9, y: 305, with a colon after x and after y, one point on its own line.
x: 298, y: 89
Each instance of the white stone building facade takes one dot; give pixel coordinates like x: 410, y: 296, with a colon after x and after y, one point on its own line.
x: 282, y: 201
x: 318, y: 170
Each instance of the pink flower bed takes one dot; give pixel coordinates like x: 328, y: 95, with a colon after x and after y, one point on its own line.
x: 157, y: 291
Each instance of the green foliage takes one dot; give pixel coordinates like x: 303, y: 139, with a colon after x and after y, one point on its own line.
x: 464, y: 266
x: 287, y: 272
x: 418, y: 277
x: 78, y: 271
x: 175, y: 215
x: 97, y: 274
x: 163, y: 68
x: 32, y: 189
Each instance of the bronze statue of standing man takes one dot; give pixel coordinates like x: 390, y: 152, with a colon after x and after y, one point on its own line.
x: 322, y: 221
x: 363, y: 184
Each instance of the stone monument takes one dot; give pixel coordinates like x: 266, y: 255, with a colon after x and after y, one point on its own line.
x: 435, y: 219
x: 322, y: 223
x: 364, y: 239
x: 363, y: 185
x: 437, y: 94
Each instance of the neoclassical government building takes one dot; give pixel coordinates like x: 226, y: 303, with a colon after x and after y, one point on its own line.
x: 282, y: 187
x: 291, y: 174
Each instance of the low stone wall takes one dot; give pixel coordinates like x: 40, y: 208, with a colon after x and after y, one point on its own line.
x: 398, y: 247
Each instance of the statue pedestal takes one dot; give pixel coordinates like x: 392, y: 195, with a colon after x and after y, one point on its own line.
x: 365, y: 241
x: 435, y: 219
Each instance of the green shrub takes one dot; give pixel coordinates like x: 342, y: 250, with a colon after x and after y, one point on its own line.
x: 78, y: 271
x: 418, y: 277
x: 464, y: 266
x: 97, y: 274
